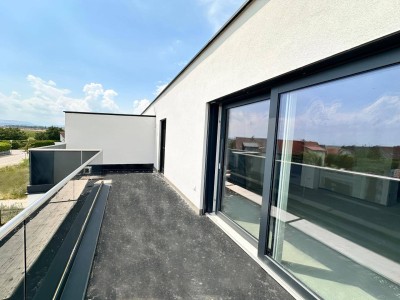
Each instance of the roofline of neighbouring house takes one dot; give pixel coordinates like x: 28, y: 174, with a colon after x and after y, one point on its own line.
x: 219, y: 32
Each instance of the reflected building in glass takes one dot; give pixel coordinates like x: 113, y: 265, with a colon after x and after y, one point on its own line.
x: 244, y: 157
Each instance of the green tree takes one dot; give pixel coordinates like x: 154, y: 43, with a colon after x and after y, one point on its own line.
x: 330, y: 160
x: 311, y: 158
x: 10, y: 133
x: 374, y: 153
x: 41, y: 136
x: 53, y: 133
x: 232, y: 144
x: 345, y: 162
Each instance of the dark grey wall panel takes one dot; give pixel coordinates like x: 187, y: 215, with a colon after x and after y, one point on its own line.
x: 65, y: 163
x: 41, y: 167
x: 86, y: 155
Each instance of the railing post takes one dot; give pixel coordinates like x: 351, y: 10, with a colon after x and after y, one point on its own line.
x: 25, y: 277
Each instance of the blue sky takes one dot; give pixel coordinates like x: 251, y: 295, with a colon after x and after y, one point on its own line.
x: 362, y: 110
x: 108, y: 56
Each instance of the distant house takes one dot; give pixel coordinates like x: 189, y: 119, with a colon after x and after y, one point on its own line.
x: 62, y: 136
x: 332, y: 150
x: 250, y: 144
x: 313, y: 147
x: 298, y: 148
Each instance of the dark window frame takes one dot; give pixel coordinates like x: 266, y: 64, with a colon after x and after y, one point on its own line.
x: 221, y: 160
x: 353, y: 68
x: 162, y: 139
x: 211, y: 157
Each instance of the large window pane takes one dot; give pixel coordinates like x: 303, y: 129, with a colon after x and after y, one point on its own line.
x: 246, y: 137
x: 336, y: 211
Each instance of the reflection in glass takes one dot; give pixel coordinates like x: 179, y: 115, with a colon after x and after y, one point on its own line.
x: 246, y: 135
x: 336, y: 211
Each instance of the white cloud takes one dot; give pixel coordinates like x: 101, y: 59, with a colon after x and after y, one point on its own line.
x: 159, y: 89
x: 219, y: 11
x: 372, y: 124
x: 250, y: 121
x: 140, y: 105
x: 172, y: 49
x: 93, y: 90
x: 100, y: 99
x: 382, y: 113
x: 182, y: 63
x: 108, y: 101
x: 319, y: 113
x: 46, y: 104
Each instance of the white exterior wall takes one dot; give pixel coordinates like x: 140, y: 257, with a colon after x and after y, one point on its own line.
x: 268, y: 39
x: 123, y: 139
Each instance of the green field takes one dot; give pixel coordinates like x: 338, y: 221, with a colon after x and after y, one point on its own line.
x: 13, y: 181
x: 31, y: 133
x: 9, y: 212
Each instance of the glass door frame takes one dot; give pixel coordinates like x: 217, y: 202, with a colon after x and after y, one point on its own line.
x: 354, y: 67
x: 220, y: 164
x: 357, y: 67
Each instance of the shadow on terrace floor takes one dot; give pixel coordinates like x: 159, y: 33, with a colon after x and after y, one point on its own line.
x: 152, y: 245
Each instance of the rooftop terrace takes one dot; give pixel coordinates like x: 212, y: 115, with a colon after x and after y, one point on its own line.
x: 152, y: 245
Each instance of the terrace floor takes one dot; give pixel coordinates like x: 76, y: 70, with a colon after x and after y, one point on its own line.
x: 153, y: 246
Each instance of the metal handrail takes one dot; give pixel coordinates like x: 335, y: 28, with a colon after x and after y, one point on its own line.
x: 49, y: 147
x: 341, y: 171
x: 23, y: 215
x: 66, y: 150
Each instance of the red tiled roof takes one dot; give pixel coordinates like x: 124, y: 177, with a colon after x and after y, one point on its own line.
x: 315, y: 148
x: 333, y: 150
x: 299, y: 146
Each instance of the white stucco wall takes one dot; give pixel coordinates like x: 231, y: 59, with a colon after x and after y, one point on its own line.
x: 123, y: 139
x: 268, y: 39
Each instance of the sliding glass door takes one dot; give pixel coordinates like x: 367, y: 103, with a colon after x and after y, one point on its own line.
x: 243, y: 160
x: 335, y: 215
x: 326, y: 213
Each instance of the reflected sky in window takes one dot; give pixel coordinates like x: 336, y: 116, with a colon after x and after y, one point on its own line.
x: 362, y: 110
x: 249, y: 120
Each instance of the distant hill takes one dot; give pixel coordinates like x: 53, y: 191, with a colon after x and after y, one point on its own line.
x: 15, y: 123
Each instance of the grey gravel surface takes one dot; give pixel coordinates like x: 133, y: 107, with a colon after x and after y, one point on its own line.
x: 153, y: 246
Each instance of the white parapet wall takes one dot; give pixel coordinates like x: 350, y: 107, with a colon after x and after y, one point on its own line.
x: 124, y: 139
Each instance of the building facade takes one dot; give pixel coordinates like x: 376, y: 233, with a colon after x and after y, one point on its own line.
x: 285, y: 127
